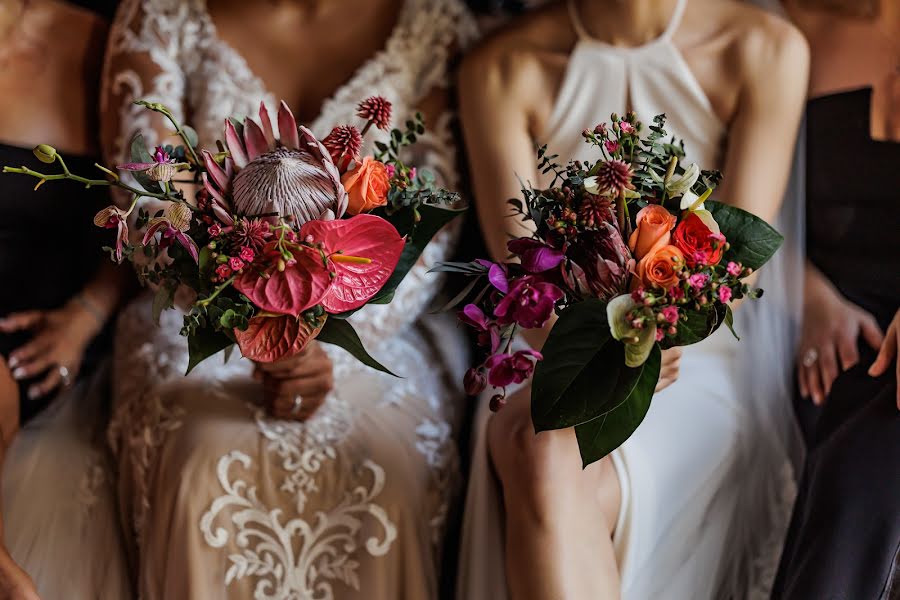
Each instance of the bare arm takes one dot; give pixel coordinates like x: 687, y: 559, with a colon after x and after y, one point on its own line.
x: 761, y: 137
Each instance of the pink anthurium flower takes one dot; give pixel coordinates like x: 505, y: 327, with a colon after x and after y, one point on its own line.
x: 176, y: 220
x: 361, y: 253
x: 272, y: 338
x: 285, y: 287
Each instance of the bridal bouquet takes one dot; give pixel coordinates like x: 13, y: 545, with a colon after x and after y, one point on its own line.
x: 287, y: 236
x: 633, y: 257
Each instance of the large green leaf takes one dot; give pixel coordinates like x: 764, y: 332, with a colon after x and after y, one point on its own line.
x: 604, y: 434
x: 203, y: 343
x: 341, y: 333
x: 583, y: 374
x: 700, y: 324
x: 753, y: 241
x: 434, y: 218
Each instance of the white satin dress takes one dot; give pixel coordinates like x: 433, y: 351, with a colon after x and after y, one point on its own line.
x: 678, y: 471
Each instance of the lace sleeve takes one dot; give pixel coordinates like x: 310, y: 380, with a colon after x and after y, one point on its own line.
x: 143, y: 62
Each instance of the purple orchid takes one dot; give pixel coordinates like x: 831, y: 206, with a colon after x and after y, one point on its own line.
x: 496, y: 274
x: 507, y: 369
x: 176, y: 220
x: 488, y: 331
x: 114, y: 217
x: 161, y: 168
x: 529, y: 304
x: 536, y: 257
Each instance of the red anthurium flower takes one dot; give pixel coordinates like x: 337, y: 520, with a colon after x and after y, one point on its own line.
x: 362, y: 253
x: 291, y: 287
x: 272, y: 338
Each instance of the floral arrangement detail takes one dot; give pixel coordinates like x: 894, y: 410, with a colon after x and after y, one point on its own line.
x: 287, y: 236
x: 632, y: 257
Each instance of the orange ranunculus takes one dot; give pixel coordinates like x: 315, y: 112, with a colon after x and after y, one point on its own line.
x: 367, y: 186
x: 653, y: 231
x: 661, y: 268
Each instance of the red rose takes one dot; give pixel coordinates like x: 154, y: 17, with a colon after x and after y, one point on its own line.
x: 697, y: 242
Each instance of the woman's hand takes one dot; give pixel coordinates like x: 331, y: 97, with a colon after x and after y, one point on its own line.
x: 670, y: 369
x: 828, y: 340
x: 59, y: 339
x: 308, y: 376
x: 889, y: 353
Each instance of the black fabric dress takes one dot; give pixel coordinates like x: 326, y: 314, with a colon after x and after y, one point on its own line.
x: 49, y: 249
x: 845, y: 531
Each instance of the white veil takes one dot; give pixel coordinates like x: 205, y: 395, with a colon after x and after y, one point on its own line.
x: 772, y: 448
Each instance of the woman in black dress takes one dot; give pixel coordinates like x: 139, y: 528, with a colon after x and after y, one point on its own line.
x: 58, y: 290
x: 844, y: 536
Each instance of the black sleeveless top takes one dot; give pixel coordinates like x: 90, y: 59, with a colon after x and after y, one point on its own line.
x: 49, y: 247
x: 853, y: 202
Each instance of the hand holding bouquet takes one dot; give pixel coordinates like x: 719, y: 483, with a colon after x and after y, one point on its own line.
x: 288, y: 235
x: 633, y: 257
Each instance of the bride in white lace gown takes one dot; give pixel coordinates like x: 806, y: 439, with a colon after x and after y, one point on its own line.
x: 221, y: 500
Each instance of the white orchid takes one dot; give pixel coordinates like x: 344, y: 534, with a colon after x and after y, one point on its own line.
x: 678, y: 185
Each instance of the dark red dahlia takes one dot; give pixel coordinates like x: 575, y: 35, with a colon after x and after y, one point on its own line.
x: 614, y: 176
x: 376, y: 110
x: 344, y: 140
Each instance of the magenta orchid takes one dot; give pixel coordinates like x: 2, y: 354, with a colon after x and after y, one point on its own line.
x: 535, y: 256
x: 529, y: 304
x: 508, y: 369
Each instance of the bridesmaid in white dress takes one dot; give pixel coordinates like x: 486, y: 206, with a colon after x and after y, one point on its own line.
x: 221, y: 500
x: 656, y: 518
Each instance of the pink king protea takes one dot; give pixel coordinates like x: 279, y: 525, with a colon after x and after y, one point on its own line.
x: 293, y: 176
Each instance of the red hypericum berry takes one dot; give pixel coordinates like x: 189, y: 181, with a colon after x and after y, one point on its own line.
x: 377, y: 110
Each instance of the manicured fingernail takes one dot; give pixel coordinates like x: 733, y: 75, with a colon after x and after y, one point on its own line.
x: 34, y: 392
x: 20, y: 373
x: 13, y: 361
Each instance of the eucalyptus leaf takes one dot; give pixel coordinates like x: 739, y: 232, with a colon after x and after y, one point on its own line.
x: 598, y: 438
x: 340, y: 332
x: 753, y: 241
x: 191, y: 135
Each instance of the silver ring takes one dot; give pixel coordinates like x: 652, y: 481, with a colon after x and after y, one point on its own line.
x: 298, y: 403
x: 64, y: 375
x: 810, y: 357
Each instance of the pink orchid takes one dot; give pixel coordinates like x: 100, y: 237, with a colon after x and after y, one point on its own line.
x: 507, y: 369
x: 530, y: 303
x: 161, y: 168
x: 176, y: 220
x: 113, y: 217
x: 488, y: 331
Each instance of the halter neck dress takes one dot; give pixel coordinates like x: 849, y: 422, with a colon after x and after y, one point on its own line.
x: 678, y: 472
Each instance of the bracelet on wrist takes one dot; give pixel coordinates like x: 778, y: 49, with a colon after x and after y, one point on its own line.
x: 91, y: 308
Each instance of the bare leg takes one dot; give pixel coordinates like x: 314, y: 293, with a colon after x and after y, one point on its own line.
x: 559, y: 518
x: 14, y: 582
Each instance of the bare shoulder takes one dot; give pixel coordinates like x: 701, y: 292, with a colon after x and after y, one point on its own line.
x: 766, y: 45
x: 513, y: 61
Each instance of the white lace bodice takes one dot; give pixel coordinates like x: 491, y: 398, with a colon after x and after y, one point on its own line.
x: 168, y: 51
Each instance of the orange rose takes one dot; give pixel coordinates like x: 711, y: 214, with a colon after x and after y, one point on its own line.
x: 654, y: 224
x: 367, y: 186
x: 661, y: 268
